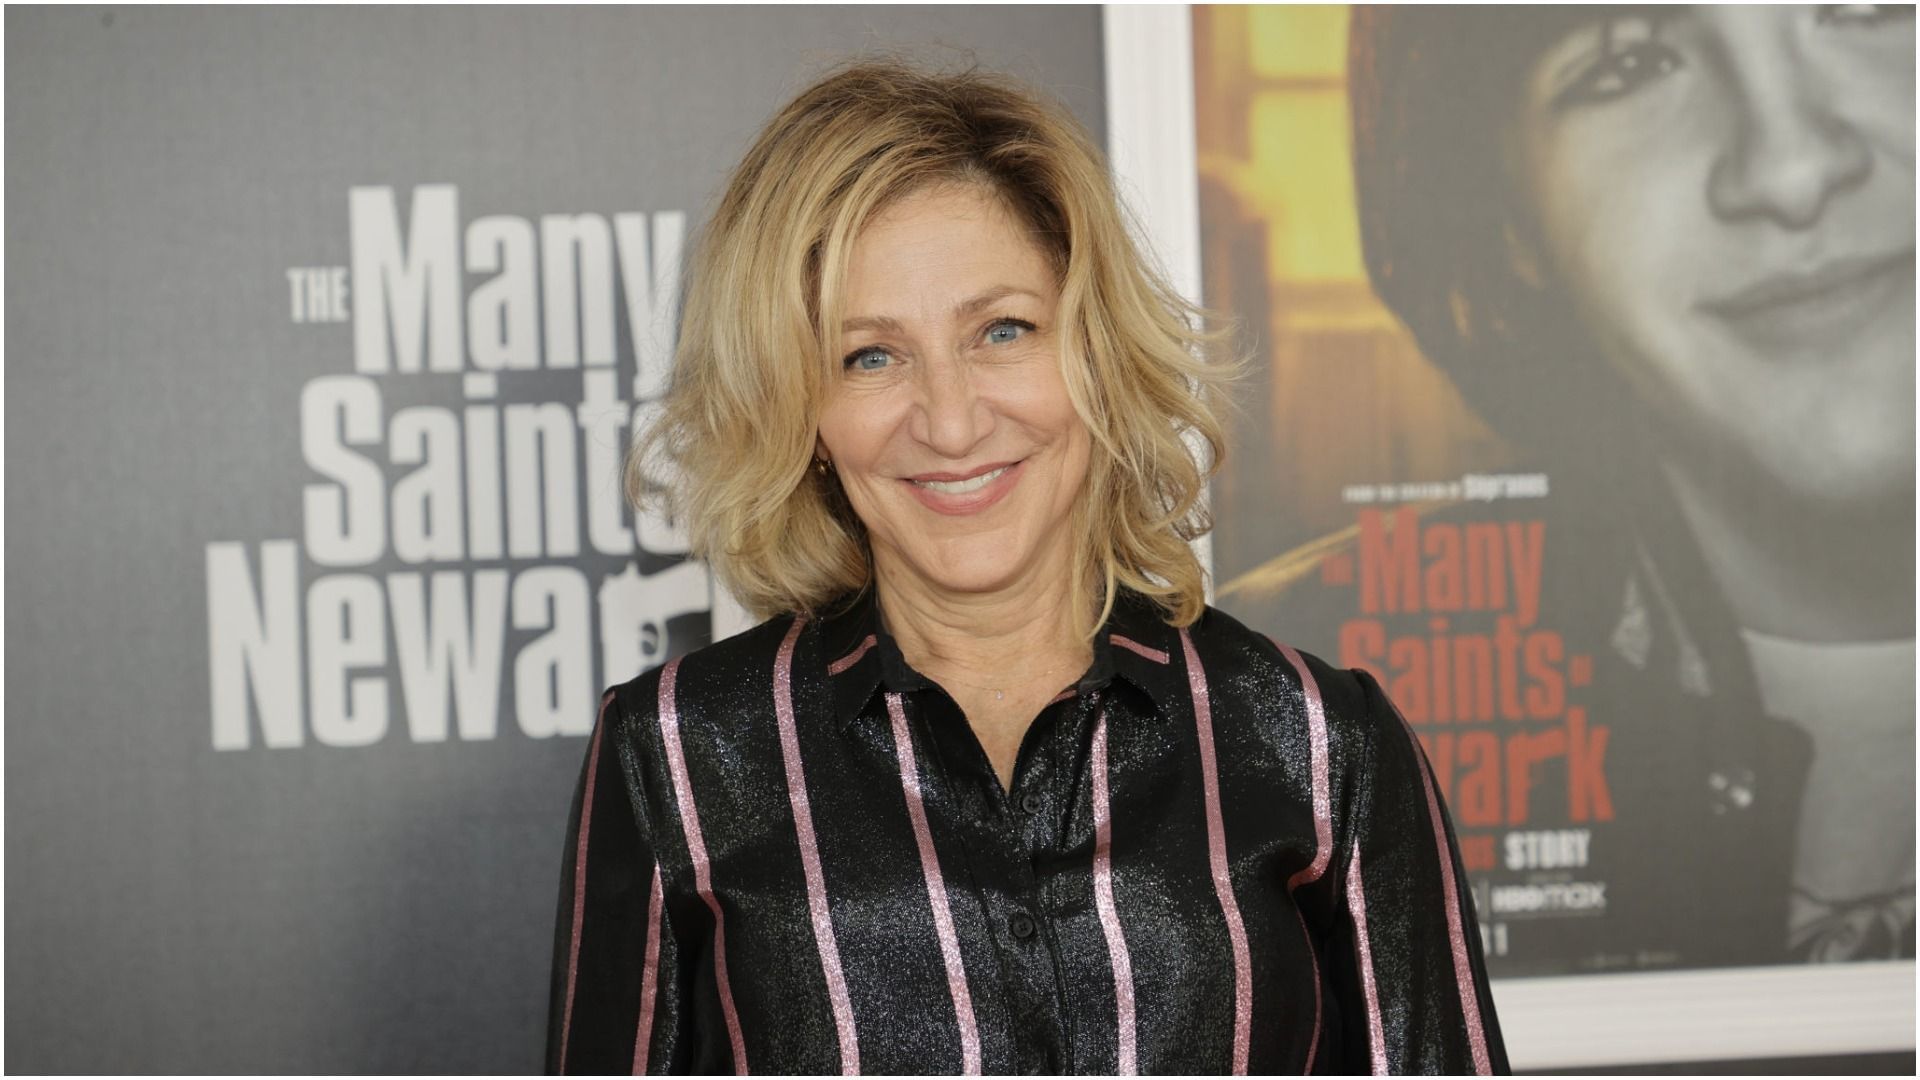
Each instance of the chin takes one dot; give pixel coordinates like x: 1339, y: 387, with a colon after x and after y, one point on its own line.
x: 973, y: 580
x: 1877, y: 486
x: 1863, y: 467
x: 982, y: 565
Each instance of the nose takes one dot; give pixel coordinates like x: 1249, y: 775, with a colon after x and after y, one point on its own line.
x: 951, y: 416
x: 1789, y: 149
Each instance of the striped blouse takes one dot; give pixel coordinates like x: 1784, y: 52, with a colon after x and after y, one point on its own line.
x: 789, y: 853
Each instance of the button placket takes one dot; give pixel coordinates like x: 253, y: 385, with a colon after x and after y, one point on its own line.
x: 1011, y: 837
x: 1029, y: 838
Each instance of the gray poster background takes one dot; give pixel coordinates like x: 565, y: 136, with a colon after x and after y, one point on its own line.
x: 169, y: 907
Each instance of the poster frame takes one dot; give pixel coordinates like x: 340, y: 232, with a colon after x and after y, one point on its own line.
x: 1558, y: 1022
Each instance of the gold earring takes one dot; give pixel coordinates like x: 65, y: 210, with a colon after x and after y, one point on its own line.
x: 822, y: 466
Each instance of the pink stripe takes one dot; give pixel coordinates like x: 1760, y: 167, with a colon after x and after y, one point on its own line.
x: 1322, y: 797
x: 1313, y: 965
x: 853, y: 657
x: 1322, y: 826
x: 649, y: 976
x: 1103, y: 899
x: 1357, y: 907
x: 810, y: 856
x: 1217, y: 856
x: 1062, y: 696
x: 936, y: 893
x: 697, y: 853
x: 1456, y: 931
x: 580, y: 878
x: 1133, y: 646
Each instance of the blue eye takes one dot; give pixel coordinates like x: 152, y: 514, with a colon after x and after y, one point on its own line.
x: 1007, y: 330
x: 868, y: 359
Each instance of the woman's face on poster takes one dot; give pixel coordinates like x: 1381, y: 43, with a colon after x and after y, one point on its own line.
x: 1728, y: 196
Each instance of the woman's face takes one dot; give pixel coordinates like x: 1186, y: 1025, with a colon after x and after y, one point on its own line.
x: 1728, y: 195
x: 946, y: 416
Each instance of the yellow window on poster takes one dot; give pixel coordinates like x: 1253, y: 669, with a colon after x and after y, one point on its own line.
x: 1292, y: 41
x: 1301, y: 162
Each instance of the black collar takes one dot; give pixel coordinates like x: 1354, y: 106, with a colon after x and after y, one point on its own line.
x: 858, y: 657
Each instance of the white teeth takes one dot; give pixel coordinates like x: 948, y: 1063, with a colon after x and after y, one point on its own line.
x: 962, y: 487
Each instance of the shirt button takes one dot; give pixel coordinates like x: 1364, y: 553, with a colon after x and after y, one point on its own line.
x: 1031, y: 803
x: 1022, y: 927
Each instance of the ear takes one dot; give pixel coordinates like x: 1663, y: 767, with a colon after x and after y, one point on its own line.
x: 820, y: 450
x: 1522, y: 256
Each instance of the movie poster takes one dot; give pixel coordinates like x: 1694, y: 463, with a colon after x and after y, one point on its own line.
x: 1580, y: 412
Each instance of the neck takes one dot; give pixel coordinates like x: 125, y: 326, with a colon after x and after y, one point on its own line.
x: 1819, y: 574
x: 1002, y: 638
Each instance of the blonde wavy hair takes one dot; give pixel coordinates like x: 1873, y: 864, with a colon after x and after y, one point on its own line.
x: 731, y: 450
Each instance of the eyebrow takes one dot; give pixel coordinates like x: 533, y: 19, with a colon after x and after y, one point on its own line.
x: 889, y: 325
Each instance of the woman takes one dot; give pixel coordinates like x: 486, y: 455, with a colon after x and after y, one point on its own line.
x: 991, y: 790
x: 1676, y: 264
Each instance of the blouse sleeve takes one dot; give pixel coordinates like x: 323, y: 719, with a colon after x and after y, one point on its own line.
x: 1406, y: 959
x: 615, y: 964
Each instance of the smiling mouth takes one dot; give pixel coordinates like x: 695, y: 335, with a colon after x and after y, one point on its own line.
x: 962, y: 493
x: 962, y: 487
x: 1822, y: 284
x: 1813, y: 314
